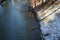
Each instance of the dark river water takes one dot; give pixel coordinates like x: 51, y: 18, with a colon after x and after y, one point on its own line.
x: 16, y: 22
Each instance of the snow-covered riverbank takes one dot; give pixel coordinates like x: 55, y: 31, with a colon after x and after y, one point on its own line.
x: 50, y: 25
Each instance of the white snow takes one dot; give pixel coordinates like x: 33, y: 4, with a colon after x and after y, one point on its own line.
x: 51, y: 24
x: 53, y: 28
